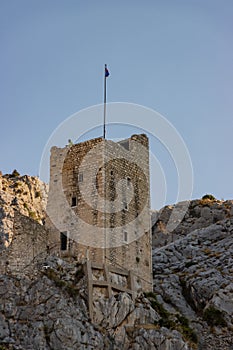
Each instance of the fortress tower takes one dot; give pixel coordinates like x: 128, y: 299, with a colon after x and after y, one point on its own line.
x: 99, y: 202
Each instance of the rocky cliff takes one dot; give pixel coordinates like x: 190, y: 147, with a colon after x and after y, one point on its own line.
x: 49, y: 311
x: 193, y: 269
x: 45, y: 305
x: 24, y: 194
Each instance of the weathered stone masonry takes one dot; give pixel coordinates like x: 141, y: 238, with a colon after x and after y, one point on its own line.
x: 99, y: 200
x: 29, y: 242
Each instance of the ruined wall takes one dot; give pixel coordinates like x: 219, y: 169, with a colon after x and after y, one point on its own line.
x: 99, y: 197
x: 29, y: 242
x: 25, y: 194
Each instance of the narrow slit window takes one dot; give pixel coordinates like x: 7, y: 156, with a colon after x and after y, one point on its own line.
x: 63, y: 240
x: 125, y: 206
x: 96, y: 182
x: 73, y: 202
x: 125, y: 236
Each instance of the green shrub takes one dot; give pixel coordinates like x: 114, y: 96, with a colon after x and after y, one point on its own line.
x: 32, y: 215
x: 187, y: 332
x: 71, y: 290
x: 25, y: 205
x: 79, y: 273
x: 66, y: 286
x: 214, y: 317
x: 150, y: 295
x: 177, y: 322
x: 209, y: 196
x: 165, y: 320
x: 47, y: 333
x: 156, y: 305
x: 52, y: 275
x: 183, y: 320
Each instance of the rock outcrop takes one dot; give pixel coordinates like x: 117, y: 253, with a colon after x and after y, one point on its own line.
x: 24, y: 194
x: 193, y: 273
x: 48, y: 309
x: 195, y: 214
x: 44, y: 305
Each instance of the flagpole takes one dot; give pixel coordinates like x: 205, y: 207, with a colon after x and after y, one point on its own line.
x: 105, y: 99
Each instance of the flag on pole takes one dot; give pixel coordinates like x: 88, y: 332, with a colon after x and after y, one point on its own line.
x: 106, y: 72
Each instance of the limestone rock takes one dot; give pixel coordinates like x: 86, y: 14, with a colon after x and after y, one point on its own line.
x: 44, y: 305
x: 25, y: 194
x: 199, y: 214
x: 48, y: 310
x: 194, y: 273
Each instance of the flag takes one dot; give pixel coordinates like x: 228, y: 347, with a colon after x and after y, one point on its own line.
x: 106, y: 72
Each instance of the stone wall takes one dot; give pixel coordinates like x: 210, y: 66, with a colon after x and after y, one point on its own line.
x: 29, y: 242
x: 99, y: 197
x: 25, y: 194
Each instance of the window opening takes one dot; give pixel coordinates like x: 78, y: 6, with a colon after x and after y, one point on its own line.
x: 125, y: 206
x: 63, y: 240
x: 73, y: 202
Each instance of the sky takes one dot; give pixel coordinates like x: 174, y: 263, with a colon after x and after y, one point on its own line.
x: 171, y: 56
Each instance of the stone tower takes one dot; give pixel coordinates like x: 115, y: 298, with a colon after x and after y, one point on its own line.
x: 99, y: 203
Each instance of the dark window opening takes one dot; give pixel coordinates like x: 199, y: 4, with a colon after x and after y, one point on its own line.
x: 128, y: 181
x: 111, y: 172
x: 125, y: 206
x: 96, y: 182
x: 63, y: 240
x: 125, y: 236
x: 73, y: 202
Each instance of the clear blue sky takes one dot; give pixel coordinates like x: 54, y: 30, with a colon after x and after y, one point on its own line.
x: 174, y: 56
